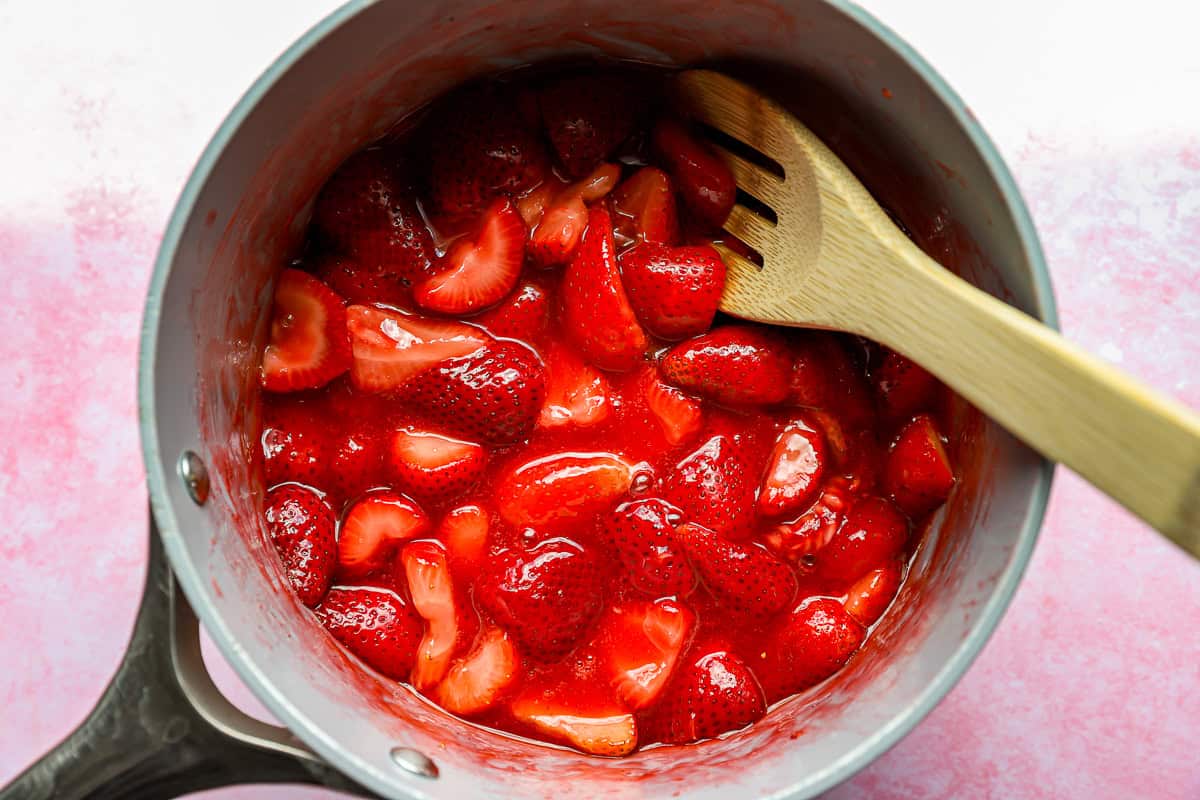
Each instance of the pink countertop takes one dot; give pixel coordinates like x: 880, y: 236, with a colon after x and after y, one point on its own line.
x: 1090, y: 687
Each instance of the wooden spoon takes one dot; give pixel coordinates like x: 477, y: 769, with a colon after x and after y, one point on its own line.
x: 833, y: 259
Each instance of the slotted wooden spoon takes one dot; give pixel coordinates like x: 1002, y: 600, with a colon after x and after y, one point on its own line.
x: 833, y: 259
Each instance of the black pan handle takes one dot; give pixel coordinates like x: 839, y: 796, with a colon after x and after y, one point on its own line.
x: 162, y: 728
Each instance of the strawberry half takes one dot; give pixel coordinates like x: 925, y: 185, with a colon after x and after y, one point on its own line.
x: 493, y: 395
x: 545, y: 597
x: 638, y: 644
x: 735, y: 365
x: 464, y: 531
x: 713, y: 693
x: 477, y: 681
x: 806, y: 647
x: 813, y: 529
x: 587, y: 116
x: 374, y: 624
x: 373, y: 529
x: 432, y: 590
x: 522, y: 315
x: 794, y: 471
x: 300, y: 524
x: 307, y: 347
x: 433, y: 467
x: 873, y: 533
x: 903, y: 387
x: 599, y: 729
x: 561, y: 488
x: 917, y: 475
x: 478, y: 271
x: 294, y: 446
x: 824, y: 376
x: 642, y: 533
x: 561, y: 225
x: 679, y: 416
x: 673, y: 290
x: 390, y: 348
x: 576, y: 394
x: 644, y: 208
x: 356, y: 464
x: 745, y: 577
x: 703, y: 180
x: 596, y: 312
x: 871, y: 594
x: 713, y: 487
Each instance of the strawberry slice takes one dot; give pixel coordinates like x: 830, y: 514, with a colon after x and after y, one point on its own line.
x: 433, y: 467
x: 596, y: 312
x: 479, y: 680
x: 522, y: 315
x: 806, y: 647
x: 373, y: 529
x: 873, y: 533
x: 703, y: 180
x: 374, y: 624
x: 595, y: 728
x: 464, y: 531
x: 680, y: 416
x: 433, y: 596
x: 533, y: 204
x: 493, y: 395
x: 673, y: 290
x: 735, y: 365
x: 562, y: 223
x: 300, y: 524
x: 390, y: 347
x: 307, y: 346
x: 794, y: 470
x: 576, y: 394
x: 638, y: 644
x: 642, y: 533
x: 713, y: 693
x: 813, y: 529
x: 917, y: 475
x: 562, y: 488
x: 478, y: 271
x: 644, y: 208
x: 545, y: 597
x: 871, y: 594
x: 588, y: 115
x: 745, y: 577
x: 356, y: 464
x: 903, y: 387
x: 713, y: 487
x: 294, y: 446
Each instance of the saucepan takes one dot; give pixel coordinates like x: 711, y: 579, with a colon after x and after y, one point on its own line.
x: 162, y: 729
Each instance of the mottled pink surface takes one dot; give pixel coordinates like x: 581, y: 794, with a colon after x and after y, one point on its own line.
x: 1090, y: 687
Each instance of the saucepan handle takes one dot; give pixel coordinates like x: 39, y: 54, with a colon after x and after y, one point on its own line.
x: 162, y: 729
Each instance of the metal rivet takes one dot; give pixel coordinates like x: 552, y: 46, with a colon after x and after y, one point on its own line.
x: 195, y: 476
x: 414, y: 761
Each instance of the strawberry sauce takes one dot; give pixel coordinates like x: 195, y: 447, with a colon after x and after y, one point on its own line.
x: 517, y: 460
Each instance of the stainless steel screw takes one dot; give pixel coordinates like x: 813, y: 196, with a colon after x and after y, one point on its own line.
x: 195, y: 476
x: 414, y: 761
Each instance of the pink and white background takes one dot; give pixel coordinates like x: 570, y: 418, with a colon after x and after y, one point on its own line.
x: 1090, y: 687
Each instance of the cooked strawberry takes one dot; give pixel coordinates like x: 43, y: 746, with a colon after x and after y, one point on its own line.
x: 642, y: 533
x: 561, y: 224
x: 644, y: 208
x: 703, y: 180
x: 358, y: 283
x: 638, y: 644
x: 300, y: 524
x: 587, y: 115
x: 713, y: 487
x: 794, y: 470
x: 576, y: 394
x: 464, y: 531
x: 493, y: 395
x: 918, y: 476
x: 714, y: 692
x: 477, y: 681
x: 806, y: 647
x: 598, y: 184
x: 390, y: 347
x: 307, y: 346
x: 596, y: 312
x: 746, y: 577
x: 601, y: 730
x: 824, y: 376
x: 521, y: 315
x: 903, y: 387
x: 478, y: 271
x: 433, y: 467
x: 813, y: 529
x: 356, y: 464
x: 734, y: 365
x: 871, y: 594
x: 532, y: 205
x: 873, y: 533
x: 433, y: 596
x: 673, y: 290
x: 545, y: 597
x: 679, y: 415
x: 482, y: 149
x: 294, y: 445
x: 374, y: 624
x: 374, y: 528
x: 561, y: 488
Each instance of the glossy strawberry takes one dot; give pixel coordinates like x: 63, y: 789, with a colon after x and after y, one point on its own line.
x: 557, y: 490
x: 870, y: 595
x: 713, y: 693
x: 824, y: 376
x: 577, y: 395
x: 807, y: 646
x: 561, y: 224
x: 813, y: 529
x: 744, y: 576
x: 794, y: 471
x: 642, y: 533
x: 480, y: 679
x: 703, y: 180
x: 479, y: 270
x: 432, y: 467
x: 545, y: 597
x: 596, y: 314
x: 918, y: 476
x: 735, y: 365
x: 374, y: 624
x: 903, y: 387
x: 673, y: 290
x: 493, y: 395
x: 638, y: 645
x: 356, y: 282
x: 598, y: 728
x: 294, y: 446
x: 307, y: 347
x: 872, y: 533
x: 373, y: 529
x: 390, y: 348
x: 355, y: 464
x: 465, y: 533
x: 679, y: 415
x: 427, y: 575
x: 300, y: 524
x: 713, y: 487
x: 644, y: 208
x: 587, y: 115
x: 522, y: 315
